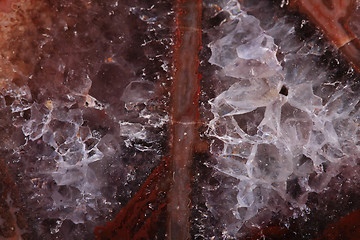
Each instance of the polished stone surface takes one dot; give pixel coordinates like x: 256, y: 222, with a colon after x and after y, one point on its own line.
x: 108, y: 106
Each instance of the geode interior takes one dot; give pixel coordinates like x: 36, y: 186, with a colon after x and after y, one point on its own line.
x: 284, y: 124
x: 85, y: 92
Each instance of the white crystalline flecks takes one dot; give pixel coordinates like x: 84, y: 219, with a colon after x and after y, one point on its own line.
x: 270, y: 139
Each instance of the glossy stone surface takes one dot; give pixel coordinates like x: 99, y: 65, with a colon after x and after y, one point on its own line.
x: 104, y: 124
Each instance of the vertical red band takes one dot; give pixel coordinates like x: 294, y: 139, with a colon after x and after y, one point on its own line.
x: 184, y: 116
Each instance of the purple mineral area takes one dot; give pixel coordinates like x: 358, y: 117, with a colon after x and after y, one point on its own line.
x: 83, y: 108
x: 86, y: 117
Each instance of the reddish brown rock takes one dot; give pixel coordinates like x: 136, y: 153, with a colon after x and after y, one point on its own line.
x: 338, y: 20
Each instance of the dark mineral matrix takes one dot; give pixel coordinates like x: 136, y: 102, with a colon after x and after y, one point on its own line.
x: 179, y: 119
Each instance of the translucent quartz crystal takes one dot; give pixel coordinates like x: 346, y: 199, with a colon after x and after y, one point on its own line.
x: 245, y: 51
x: 85, y: 112
x: 279, y: 119
x: 81, y: 86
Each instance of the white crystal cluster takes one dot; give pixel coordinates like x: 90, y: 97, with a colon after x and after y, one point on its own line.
x: 83, y: 108
x: 68, y: 147
x: 245, y: 51
x: 72, y: 146
x: 272, y: 132
x: 61, y: 128
x: 140, y: 92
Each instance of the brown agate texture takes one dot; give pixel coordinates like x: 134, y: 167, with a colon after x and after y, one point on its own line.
x: 179, y: 119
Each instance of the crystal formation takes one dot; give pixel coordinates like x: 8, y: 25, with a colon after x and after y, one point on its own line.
x: 93, y: 114
x: 83, y: 111
x: 284, y: 124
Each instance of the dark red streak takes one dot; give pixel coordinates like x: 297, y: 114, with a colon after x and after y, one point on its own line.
x: 138, y: 220
x: 184, y: 116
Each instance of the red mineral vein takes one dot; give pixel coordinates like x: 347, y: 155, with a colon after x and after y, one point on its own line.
x: 329, y: 16
x: 137, y: 220
x: 184, y: 116
x: 332, y: 17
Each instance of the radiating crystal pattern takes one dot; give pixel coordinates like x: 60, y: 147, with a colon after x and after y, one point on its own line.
x: 283, y: 125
